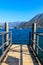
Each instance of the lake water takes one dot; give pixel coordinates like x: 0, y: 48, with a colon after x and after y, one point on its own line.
x: 22, y: 37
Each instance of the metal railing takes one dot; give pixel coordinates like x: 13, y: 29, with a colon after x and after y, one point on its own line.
x: 9, y: 41
x: 35, y: 44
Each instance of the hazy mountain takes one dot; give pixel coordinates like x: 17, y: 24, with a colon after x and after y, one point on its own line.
x: 13, y: 24
x: 10, y: 24
x: 37, y: 19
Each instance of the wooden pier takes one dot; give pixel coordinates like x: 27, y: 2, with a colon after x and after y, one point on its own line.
x: 20, y: 55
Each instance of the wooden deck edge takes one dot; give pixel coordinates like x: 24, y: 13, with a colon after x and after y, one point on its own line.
x: 4, y: 54
x: 35, y: 54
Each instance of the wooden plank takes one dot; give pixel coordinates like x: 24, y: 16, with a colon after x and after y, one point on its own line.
x: 19, y: 55
x: 13, y: 56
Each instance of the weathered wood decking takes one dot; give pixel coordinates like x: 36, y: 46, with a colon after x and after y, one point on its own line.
x: 19, y: 55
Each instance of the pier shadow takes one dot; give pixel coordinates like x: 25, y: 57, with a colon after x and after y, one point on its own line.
x: 21, y: 58
x: 35, y: 62
x: 12, y: 61
x: 19, y: 51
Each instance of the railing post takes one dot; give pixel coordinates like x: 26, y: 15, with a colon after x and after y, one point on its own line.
x: 11, y: 37
x: 6, y: 30
x: 33, y: 34
x: 37, y: 44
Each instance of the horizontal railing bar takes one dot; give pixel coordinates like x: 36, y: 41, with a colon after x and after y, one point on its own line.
x: 4, y: 43
x: 38, y: 46
x: 37, y: 57
x: 5, y: 53
x: 40, y: 34
x: 4, y: 32
x: 9, y: 40
x: 2, y: 46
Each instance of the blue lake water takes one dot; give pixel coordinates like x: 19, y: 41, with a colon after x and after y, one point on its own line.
x: 22, y: 37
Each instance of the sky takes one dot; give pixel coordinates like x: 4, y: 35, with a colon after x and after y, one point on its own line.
x: 19, y: 10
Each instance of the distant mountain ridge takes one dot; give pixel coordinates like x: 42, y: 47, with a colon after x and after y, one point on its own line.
x: 13, y: 24
x: 10, y: 24
x: 37, y: 19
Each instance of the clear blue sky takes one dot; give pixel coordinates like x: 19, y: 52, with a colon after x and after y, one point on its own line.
x: 19, y: 10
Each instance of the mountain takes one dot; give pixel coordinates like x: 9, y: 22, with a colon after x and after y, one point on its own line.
x: 10, y: 24
x: 1, y: 25
x: 13, y: 24
x: 37, y: 19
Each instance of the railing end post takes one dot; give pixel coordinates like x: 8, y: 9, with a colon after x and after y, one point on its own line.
x: 6, y: 36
